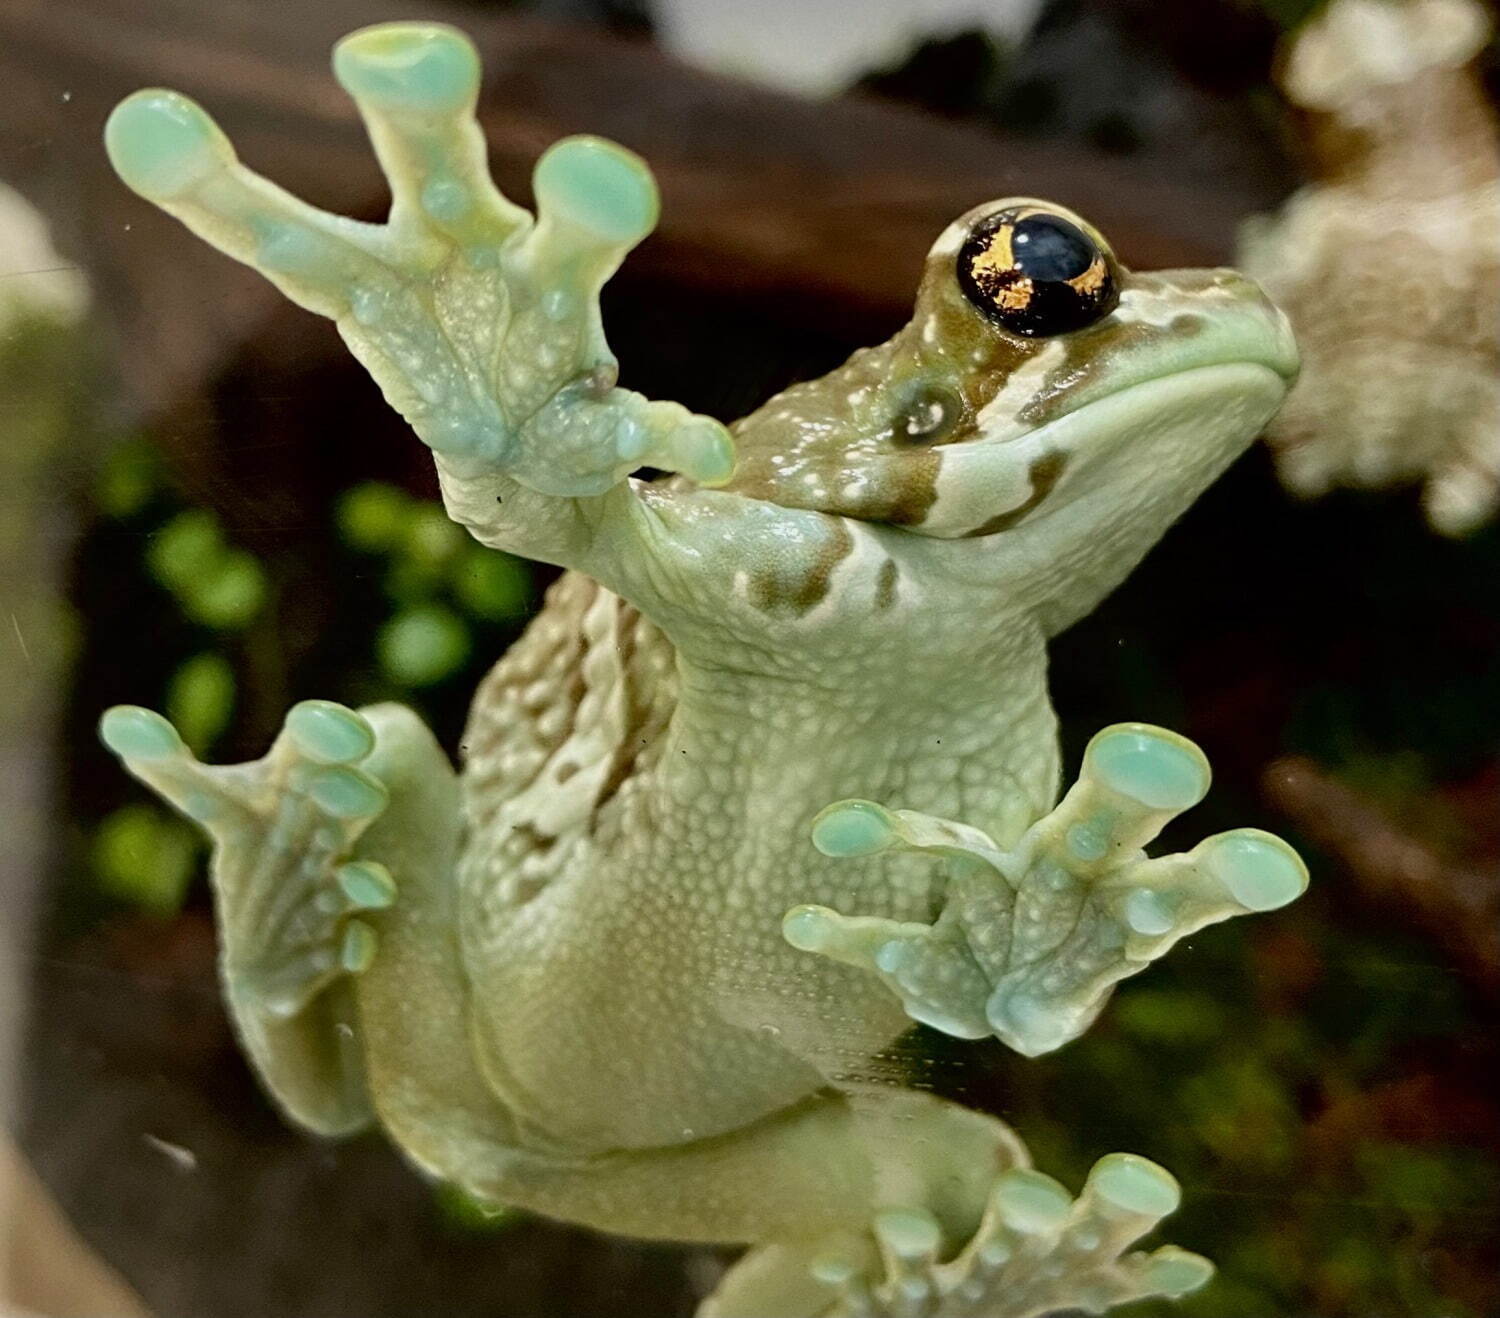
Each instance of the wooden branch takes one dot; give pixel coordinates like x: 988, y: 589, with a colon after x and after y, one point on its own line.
x: 816, y: 213
x: 1456, y: 905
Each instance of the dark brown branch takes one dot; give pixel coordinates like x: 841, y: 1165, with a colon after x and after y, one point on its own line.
x: 1455, y: 904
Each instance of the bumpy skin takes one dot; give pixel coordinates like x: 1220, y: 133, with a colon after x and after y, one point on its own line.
x: 561, y: 979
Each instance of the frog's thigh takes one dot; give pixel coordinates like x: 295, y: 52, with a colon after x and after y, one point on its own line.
x: 822, y: 1167
x: 412, y: 999
x: 920, y: 1152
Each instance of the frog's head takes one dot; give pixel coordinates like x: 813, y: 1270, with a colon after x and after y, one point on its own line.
x: 1045, y: 409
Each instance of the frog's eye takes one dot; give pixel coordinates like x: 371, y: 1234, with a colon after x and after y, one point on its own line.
x: 1036, y: 273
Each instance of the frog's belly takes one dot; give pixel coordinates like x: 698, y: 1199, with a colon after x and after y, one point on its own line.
x: 646, y: 994
x: 648, y: 998
x: 630, y: 858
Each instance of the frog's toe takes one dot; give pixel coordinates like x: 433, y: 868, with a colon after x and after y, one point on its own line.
x: 698, y: 447
x: 167, y: 148
x: 854, y: 828
x: 1259, y: 870
x: 162, y: 144
x: 151, y: 749
x: 1157, y: 902
x: 865, y: 828
x: 366, y: 885
x: 1135, y: 779
x: 416, y: 85
x: 325, y: 793
x: 1151, y: 767
x: 329, y: 733
x: 595, y: 193
x: 409, y: 68
x: 1037, y: 1249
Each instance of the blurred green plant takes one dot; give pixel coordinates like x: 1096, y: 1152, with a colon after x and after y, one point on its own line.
x: 438, y: 580
x: 200, y: 699
x: 145, y: 858
x: 216, y: 585
x: 439, y: 600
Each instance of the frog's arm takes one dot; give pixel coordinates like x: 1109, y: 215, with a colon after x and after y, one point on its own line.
x: 480, y: 324
x: 1030, y: 942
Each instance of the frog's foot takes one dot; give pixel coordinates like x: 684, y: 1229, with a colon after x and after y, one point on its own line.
x: 480, y: 324
x: 283, y: 828
x: 1029, y: 942
x: 1037, y: 1250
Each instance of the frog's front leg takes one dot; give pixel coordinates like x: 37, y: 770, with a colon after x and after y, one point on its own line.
x: 480, y: 324
x: 332, y: 875
x: 1029, y: 942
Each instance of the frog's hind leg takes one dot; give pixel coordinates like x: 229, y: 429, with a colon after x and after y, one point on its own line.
x: 960, y: 1226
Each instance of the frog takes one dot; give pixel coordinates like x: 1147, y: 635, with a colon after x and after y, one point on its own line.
x: 773, y: 776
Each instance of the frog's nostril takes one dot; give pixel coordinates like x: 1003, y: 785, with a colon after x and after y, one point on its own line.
x: 929, y: 417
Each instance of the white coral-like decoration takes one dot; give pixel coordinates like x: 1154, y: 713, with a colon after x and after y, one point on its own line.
x: 1389, y: 266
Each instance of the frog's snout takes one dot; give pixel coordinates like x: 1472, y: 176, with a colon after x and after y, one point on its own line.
x: 1282, y: 356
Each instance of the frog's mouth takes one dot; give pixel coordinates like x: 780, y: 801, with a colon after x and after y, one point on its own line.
x: 1177, y: 429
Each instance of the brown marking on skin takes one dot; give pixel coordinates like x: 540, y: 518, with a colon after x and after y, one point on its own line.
x: 776, y: 595
x: 910, y: 494
x: 534, y: 840
x: 1092, y: 354
x: 1045, y: 472
x: 813, y: 446
x: 885, y: 584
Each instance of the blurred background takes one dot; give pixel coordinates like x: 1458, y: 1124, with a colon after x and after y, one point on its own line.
x: 206, y: 508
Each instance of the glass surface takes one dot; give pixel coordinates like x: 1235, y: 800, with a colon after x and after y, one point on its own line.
x: 208, y: 509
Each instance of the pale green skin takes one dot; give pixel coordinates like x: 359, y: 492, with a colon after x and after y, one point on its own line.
x: 605, y: 975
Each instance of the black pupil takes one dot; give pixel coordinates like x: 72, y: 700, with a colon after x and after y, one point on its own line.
x: 1036, y: 273
x: 1049, y: 249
